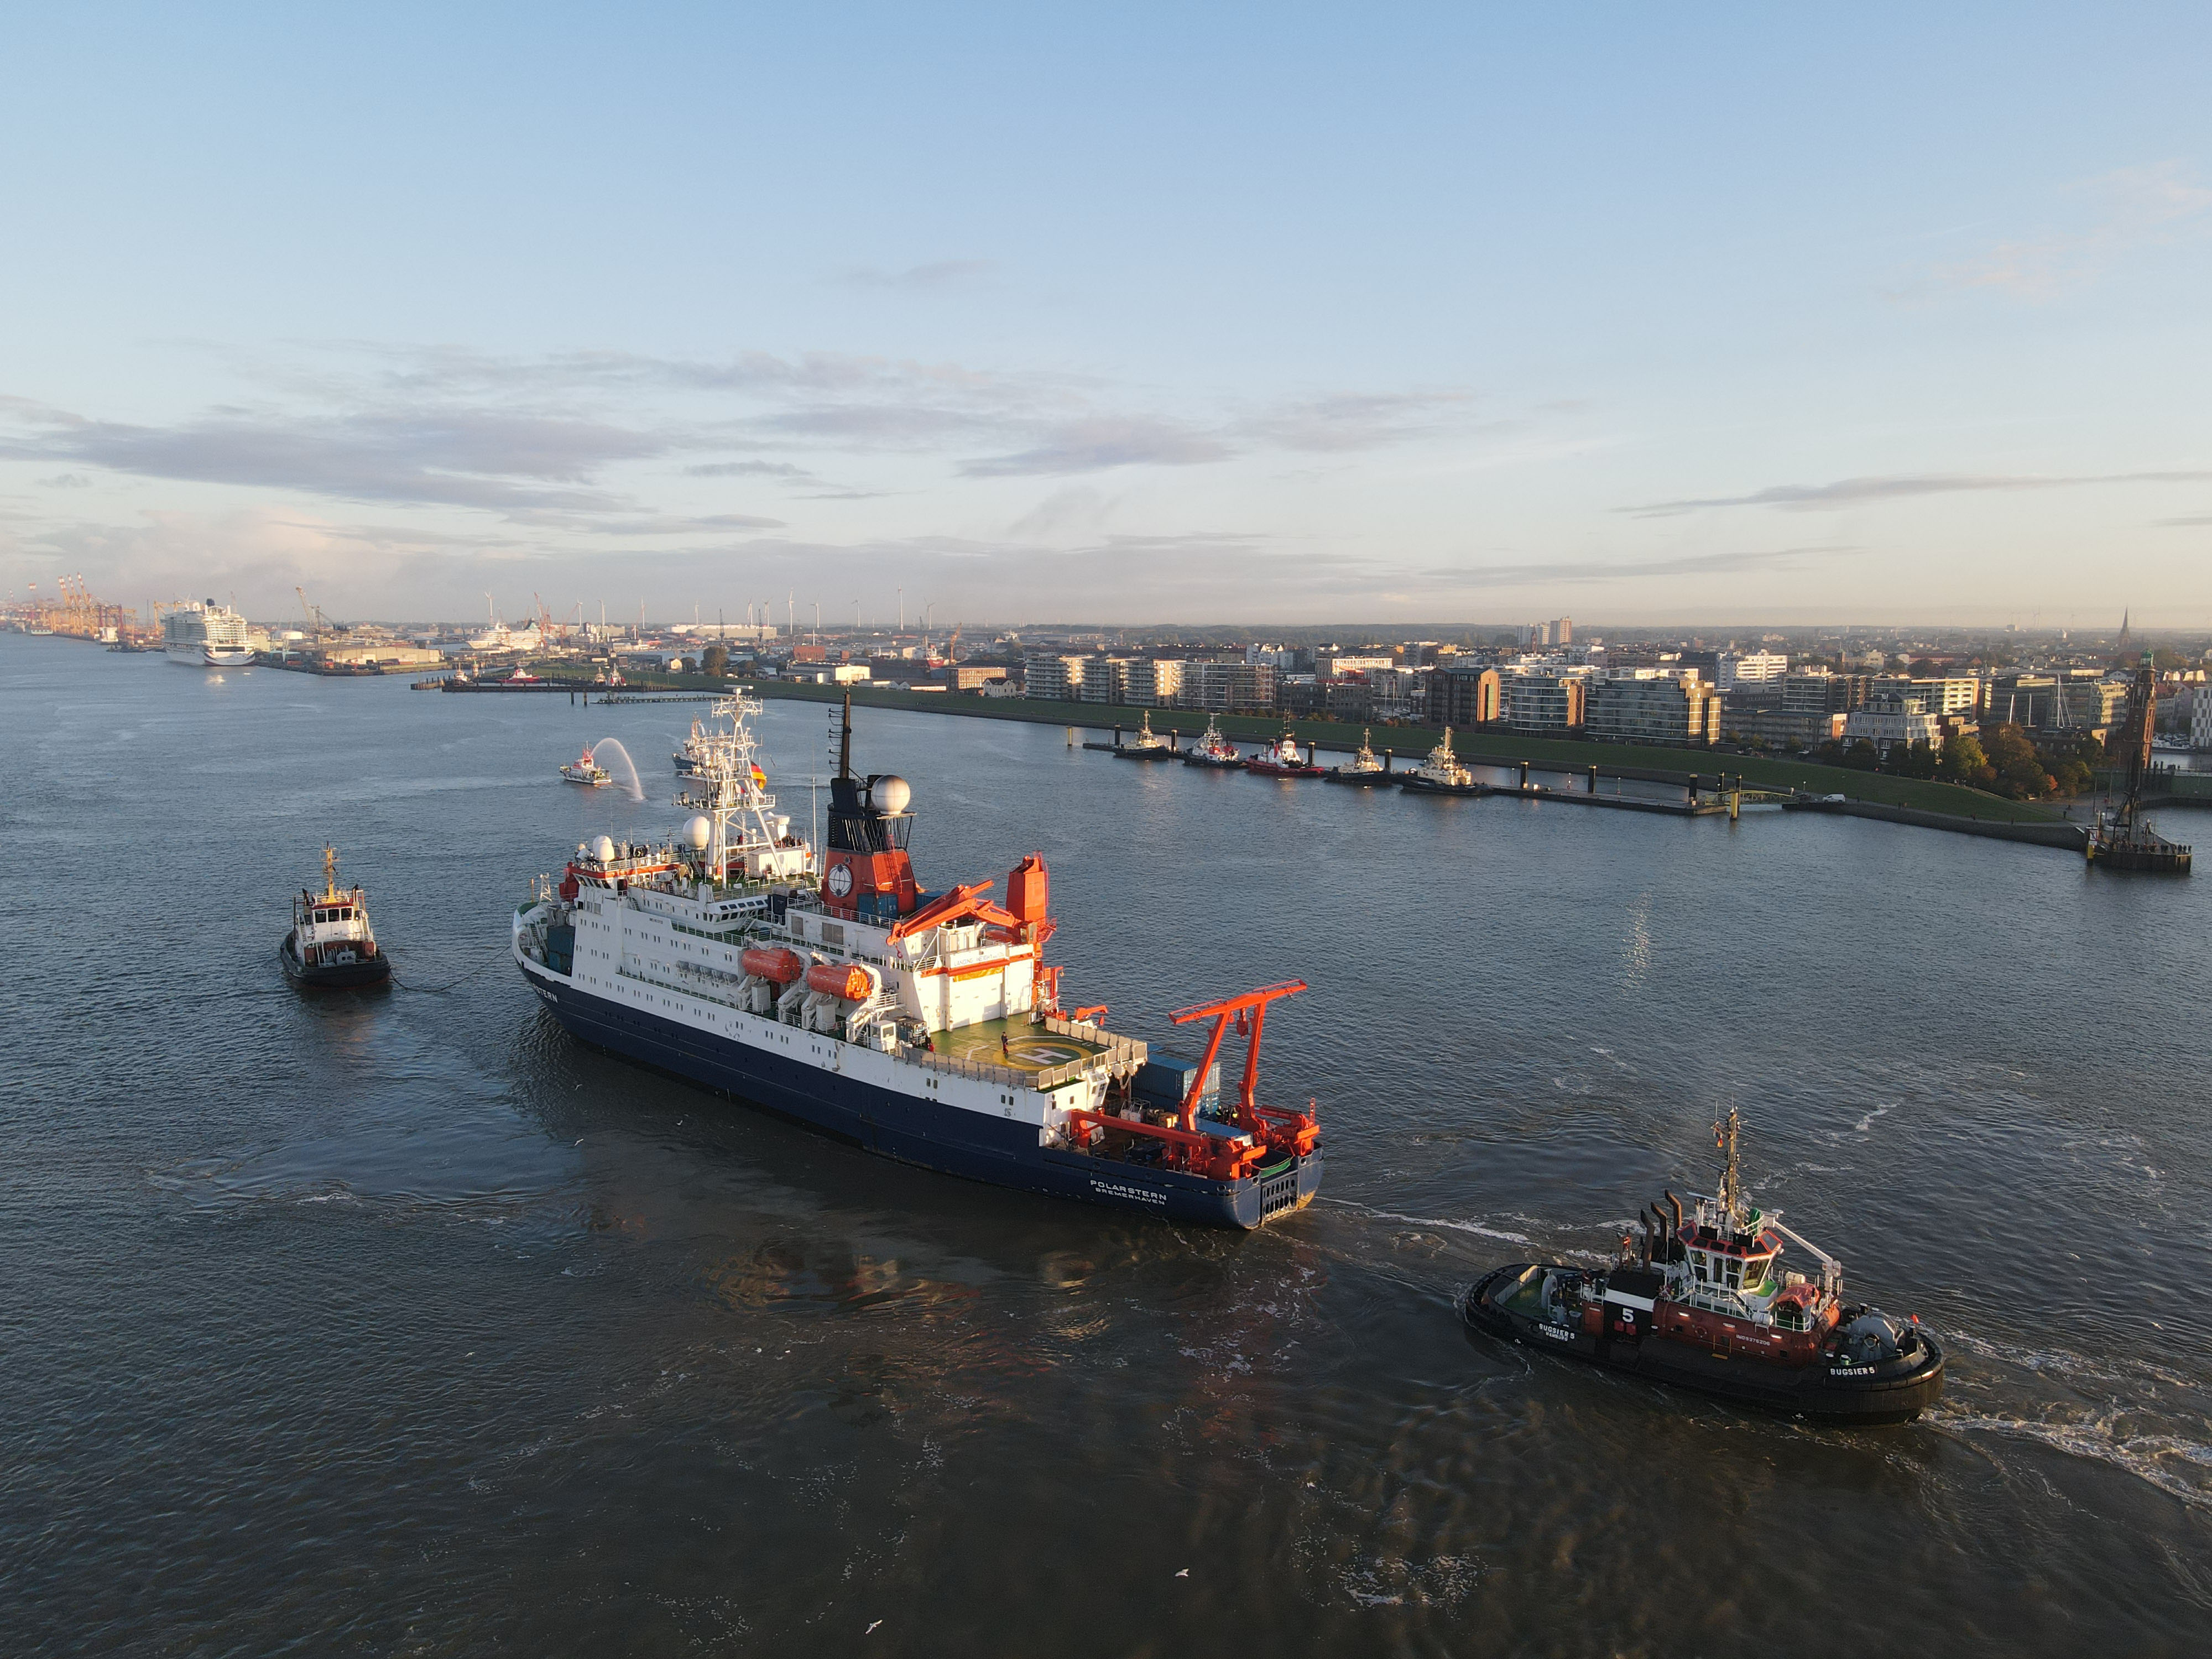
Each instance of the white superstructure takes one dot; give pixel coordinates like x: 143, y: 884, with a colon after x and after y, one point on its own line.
x: 201, y: 634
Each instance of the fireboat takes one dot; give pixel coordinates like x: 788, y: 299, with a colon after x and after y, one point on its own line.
x: 1701, y: 1301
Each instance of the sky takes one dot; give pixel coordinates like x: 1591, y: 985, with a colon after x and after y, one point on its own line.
x: 1131, y: 315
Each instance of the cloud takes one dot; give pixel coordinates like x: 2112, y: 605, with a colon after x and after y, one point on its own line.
x: 454, y: 457
x: 941, y: 273
x: 2115, y: 213
x: 1071, y: 507
x: 1352, y: 421
x: 1694, y: 564
x: 1862, y: 492
x: 1097, y: 444
x: 751, y: 470
x: 67, y: 481
x: 657, y: 525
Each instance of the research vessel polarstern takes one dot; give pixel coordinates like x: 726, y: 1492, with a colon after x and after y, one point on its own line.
x: 926, y: 1027
x: 1705, y: 1304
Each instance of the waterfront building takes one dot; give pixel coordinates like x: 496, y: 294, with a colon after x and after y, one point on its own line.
x: 2200, y: 719
x: 1543, y: 704
x: 1052, y: 679
x: 1781, y: 727
x: 1105, y: 680
x: 968, y: 677
x: 1156, y: 682
x: 1888, y: 719
x: 1645, y: 705
x: 1463, y: 694
x: 1229, y: 687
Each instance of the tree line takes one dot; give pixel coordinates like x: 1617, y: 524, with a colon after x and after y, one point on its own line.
x: 2006, y: 760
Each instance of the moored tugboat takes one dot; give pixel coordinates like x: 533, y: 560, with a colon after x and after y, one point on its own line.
x: 1365, y: 767
x: 1214, y: 749
x: 1442, y: 774
x: 1703, y: 1303
x: 330, y: 946
x: 1146, y: 744
x: 1281, y: 759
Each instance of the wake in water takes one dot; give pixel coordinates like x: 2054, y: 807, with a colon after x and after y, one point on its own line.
x: 620, y: 766
x: 1474, y: 1227
x: 2117, y: 1410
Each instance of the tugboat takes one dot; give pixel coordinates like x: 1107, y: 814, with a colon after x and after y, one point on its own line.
x: 1214, y: 749
x: 1705, y: 1305
x: 330, y: 946
x: 1146, y: 744
x: 1365, y: 767
x: 1281, y: 759
x: 925, y: 1027
x: 2122, y: 839
x: 586, y: 771
x: 1442, y: 774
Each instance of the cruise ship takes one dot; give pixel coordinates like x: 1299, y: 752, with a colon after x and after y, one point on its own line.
x: 926, y: 1027
x: 205, y: 635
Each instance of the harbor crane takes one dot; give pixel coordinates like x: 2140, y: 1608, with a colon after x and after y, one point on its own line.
x: 316, y: 621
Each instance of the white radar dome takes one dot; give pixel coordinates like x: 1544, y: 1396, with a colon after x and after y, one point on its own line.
x: 699, y: 832
x: 890, y: 792
x: 603, y: 848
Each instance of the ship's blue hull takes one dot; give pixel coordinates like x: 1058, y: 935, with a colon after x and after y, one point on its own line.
x: 1003, y: 1152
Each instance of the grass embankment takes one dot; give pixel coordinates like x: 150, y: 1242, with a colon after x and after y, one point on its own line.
x: 1412, y: 743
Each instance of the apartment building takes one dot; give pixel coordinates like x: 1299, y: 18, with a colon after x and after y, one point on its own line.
x: 1651, y: 706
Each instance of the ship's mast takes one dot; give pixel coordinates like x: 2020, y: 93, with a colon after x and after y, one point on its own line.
x: 1731, y: 1193
x: 2142, y: 707
x: 330, y: 874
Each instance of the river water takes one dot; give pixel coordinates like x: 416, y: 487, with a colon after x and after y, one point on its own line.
x: 400, y: 1323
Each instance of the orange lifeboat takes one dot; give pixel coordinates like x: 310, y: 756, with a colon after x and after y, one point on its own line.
x: 777, y: 967
x: 848, y: 981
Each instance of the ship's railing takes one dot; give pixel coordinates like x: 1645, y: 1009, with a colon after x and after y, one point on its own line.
x: 1121, y: 1054
x: 705, y: 993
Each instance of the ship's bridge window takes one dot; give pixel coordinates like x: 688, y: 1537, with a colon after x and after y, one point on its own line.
x: 1755, y: 1274
x: 1734, y: 1273
x: 1698, y: 1266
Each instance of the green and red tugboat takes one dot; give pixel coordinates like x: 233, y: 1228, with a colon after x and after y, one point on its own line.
x: 1704, y: 1302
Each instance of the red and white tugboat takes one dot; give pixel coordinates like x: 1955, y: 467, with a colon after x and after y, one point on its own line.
x: 330, y: 946
x: 1705, y: 1303
x: 1214, y: 749
x: 1281, y: 759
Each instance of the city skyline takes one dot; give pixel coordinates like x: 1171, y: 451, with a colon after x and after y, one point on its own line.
x: 1722, y: 321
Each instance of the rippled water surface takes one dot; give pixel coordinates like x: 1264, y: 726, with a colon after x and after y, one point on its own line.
x: 400, y: 1323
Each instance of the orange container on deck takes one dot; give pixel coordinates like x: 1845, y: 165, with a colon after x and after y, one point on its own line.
x: 778, y: 966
